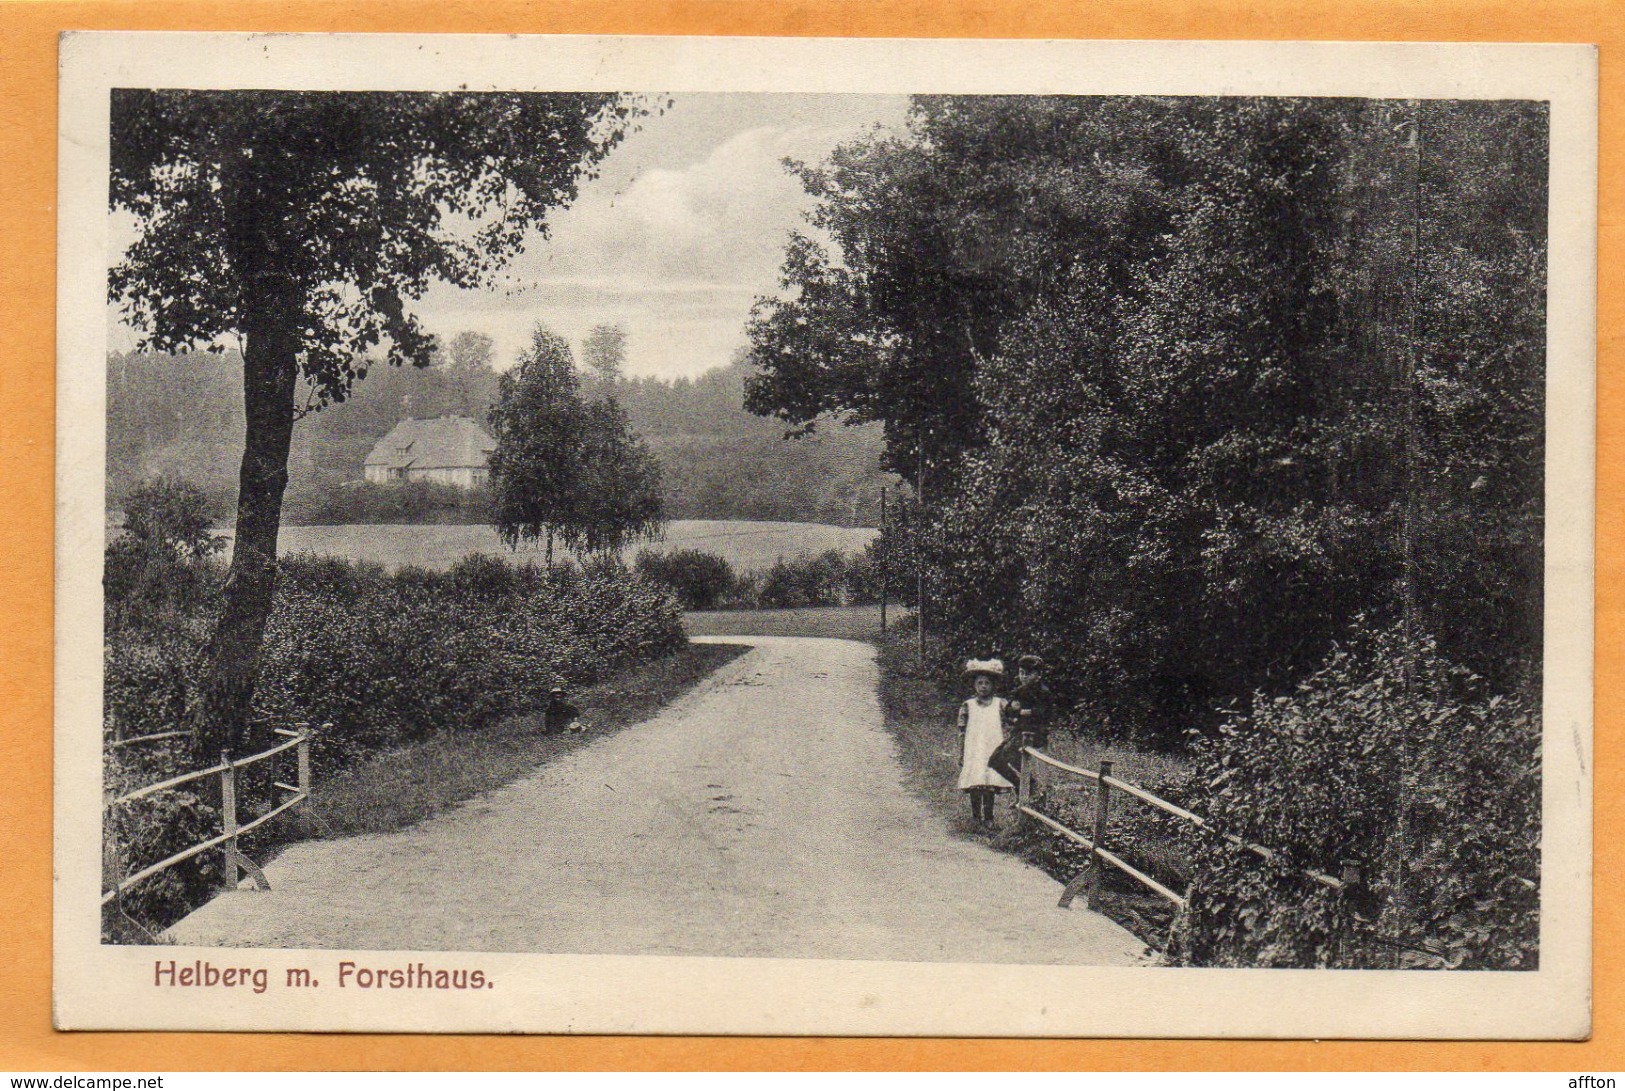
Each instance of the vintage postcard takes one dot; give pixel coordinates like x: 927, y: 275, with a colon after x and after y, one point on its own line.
x: 824, y: 537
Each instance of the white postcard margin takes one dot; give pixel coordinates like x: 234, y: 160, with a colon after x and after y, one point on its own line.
x: 108, y: 987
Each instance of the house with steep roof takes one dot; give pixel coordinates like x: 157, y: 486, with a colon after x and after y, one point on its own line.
x: 445, y: 450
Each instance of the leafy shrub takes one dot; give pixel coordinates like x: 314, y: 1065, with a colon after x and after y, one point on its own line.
x: 806, y: 581
x: 704, y: 581
x: 881, y: 569
x: 170, y: 518
x: 1429, y: 792
x: 160, y: 561
x: 700, y: 580
x: 160, y: 582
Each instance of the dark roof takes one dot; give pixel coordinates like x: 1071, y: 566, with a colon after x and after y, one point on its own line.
x: 438, y: 444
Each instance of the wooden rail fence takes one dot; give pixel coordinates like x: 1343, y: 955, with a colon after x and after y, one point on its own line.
x: 297, y: 794
x: 1089, y: 878
x: 1099, y: 855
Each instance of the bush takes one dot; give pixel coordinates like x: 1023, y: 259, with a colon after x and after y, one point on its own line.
x: 170, y: 519
x: 700, y: 580
x: 704, y: 581
x: 880, y: 570
x: 1430, y: 793
x: 806, y: 581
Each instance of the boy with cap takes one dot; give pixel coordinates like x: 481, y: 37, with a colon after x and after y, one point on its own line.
x: 1031, y: 701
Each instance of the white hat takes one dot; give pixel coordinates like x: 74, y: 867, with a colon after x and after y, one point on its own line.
x: 994, y: 667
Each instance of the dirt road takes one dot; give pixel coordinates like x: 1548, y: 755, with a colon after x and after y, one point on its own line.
x: 763, y: 814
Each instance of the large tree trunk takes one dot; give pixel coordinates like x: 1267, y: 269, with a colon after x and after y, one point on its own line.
x: 270, y: 368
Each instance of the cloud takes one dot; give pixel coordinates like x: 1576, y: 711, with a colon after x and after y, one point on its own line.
x: 677, y: 253
x: 684, y: 228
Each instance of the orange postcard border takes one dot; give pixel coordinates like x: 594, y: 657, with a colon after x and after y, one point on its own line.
x: 28, y: 101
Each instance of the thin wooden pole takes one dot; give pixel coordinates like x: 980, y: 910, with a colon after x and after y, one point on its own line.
x: 303, y: 752
x: 228, y: 818
x: 1024, y: 780
x: 885, y: 548
x: 1399, y: 896
x: 919, y: 553
x: 1103, y: 795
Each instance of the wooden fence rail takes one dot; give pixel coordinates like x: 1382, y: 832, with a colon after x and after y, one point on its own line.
x: 1089, y: 877
x: 227, y: 841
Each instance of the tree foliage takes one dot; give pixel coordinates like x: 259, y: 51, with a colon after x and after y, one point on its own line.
x: 617, y: 497
x: 604, y: 353
x: 564, y: 466
x: 537, y: 424
x: 1201, y: 380
x: 301, y: 223
x: 333, y: 207
x: 171, y: 519
x: 161, y: 561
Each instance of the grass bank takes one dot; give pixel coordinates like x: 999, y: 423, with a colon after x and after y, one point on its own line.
x: 920, y: 716
x: 406, y: 785
x: 844, y: 622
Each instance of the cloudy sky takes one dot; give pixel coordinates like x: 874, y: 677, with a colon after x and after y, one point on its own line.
x: 682, y: 230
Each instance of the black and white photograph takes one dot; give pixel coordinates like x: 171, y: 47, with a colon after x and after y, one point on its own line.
x: 825, y: 537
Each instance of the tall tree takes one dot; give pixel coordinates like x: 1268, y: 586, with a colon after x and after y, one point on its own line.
x: 538, y: 423
x: 617, y: 498
x: 470, y: 350
x: 300, y: 222
x: 604, y: 353
x: 936, y: 239
x: 566, y: 467
x: 468, y: 372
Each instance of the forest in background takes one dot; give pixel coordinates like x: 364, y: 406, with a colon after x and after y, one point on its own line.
x: 181, y: 417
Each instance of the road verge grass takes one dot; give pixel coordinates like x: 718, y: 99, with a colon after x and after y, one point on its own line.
x: 401, y: 787
x: 920, y: 711
x: 841, y: 622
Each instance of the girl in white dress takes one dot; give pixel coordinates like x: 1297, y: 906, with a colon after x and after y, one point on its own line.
x: 981, y: 721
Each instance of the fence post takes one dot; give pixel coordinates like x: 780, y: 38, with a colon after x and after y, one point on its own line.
x: 1102, y: 810
x: 303, y: 752
x: 1024, y: 782
x: 228, y: 818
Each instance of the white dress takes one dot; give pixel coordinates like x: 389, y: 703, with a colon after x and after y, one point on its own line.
x: 984, y: 731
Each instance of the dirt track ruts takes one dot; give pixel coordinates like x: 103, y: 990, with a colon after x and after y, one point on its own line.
x: 762, y: 814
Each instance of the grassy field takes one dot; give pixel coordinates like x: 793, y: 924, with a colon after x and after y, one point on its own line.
x: 747, y: 546
x: 845, y: 622
x: 920, y: 715
x: 398, y: 788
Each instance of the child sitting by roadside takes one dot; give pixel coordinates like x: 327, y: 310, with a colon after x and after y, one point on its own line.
x: 561, y: 715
